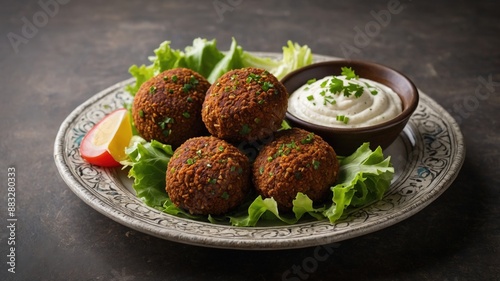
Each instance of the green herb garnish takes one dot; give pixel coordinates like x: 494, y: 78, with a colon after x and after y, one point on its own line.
x: 343, y: 118
x: 349, y: 73
x: 167, y: 120
x: 315, y: 164
x: 310, y: 81
x: 245, y: 129
x: 308, y: 139
x: 266, y: 86
x: 152, y: 89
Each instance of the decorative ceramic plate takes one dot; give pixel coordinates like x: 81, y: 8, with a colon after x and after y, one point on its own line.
x: 427, y: 157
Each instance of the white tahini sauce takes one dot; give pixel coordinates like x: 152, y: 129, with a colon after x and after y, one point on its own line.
x: 315, y: 103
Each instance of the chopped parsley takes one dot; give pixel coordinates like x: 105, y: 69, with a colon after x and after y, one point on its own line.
x: 267, y: 85
x: 166, y: 133
x: 190, y: 85
x: 245, y: 129
x: 315, y: 164
x: 308, y: 139
x: 310, y: 81
x: 167, y: 120
x: 253, y: 77
x: 349, y: 73
x: 336, y: 86
x: 187, y: 87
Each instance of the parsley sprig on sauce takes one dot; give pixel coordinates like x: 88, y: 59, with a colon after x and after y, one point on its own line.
x: 336, y: 86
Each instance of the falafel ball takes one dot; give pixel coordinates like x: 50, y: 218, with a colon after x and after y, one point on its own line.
x: 207, y: 175
x: 167, y: 108
x: 295, y: 161
x: 244, y: 105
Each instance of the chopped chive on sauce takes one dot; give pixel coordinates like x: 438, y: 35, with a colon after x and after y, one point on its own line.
x: 310, y: 81
x: 343, y: 118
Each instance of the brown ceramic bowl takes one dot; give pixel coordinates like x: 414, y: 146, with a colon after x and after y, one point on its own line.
x: 346, y: 140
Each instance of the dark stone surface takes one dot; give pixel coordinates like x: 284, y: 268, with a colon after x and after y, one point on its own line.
x: 86, y: 46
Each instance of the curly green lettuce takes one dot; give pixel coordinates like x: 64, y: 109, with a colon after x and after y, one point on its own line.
x: 204, y: 57
x: 148, y: 162
x: 364, y: 177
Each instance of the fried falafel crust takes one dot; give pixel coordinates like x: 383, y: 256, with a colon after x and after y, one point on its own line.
x: 167, y: 108
x: 207, y: 175
x: 295, y: 161
x: 244, y: 105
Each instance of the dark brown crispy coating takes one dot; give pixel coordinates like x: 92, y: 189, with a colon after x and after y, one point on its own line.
x: 207, y: 175
x: 167, y: 108
x: 295, y: 161
x: 245, y: 104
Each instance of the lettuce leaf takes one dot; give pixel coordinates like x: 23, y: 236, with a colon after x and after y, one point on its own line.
x: 142, y: 74
x: 204, y: 57
x: 148, y: 162
x: 294, y: 57
x: 232, y: 60
x: 364, y: 177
